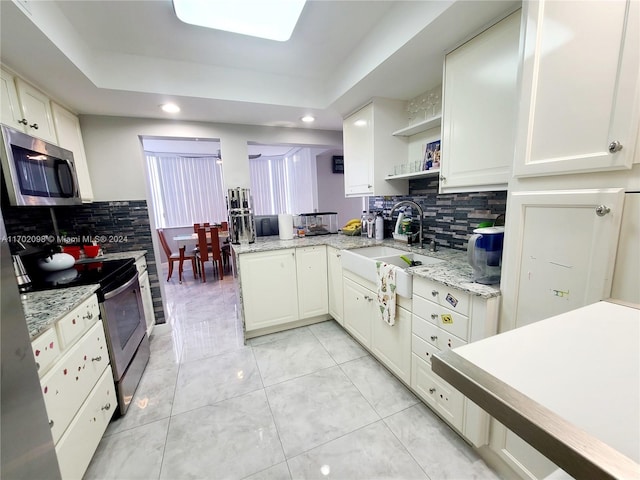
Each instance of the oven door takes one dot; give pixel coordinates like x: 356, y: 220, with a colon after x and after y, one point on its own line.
x: 123, y: 317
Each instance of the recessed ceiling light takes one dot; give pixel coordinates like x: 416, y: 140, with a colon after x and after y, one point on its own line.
x: 170, y: 108
x: 308, y: 118
x: 270, y: 19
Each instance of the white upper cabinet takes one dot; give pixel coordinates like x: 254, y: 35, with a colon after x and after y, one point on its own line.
x: 370, y: 151
x: 480, y: 110
x: 36, y: 110
x: 10, y: 112
x: 70, y: 137
x: 579, y: 95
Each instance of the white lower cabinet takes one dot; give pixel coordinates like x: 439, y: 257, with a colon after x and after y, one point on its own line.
x: 282, y: 288
x: 77, y: 385
x: 334, y: 280
x: 390, y: 344
x: 78, y: 444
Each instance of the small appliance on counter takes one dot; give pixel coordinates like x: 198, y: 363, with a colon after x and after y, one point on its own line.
x: 484, y: 252
x: 317, y: 223
x: 242, y: 227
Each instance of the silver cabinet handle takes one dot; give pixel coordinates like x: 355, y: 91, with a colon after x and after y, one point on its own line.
x: 50, y: 423
x: 432, y: 390
x: 106, y: 407
x: 615, y: 146
x: 88, y: 316
x: 434, y: 338
x: 602, y: 210
x: 96, y: 359
x: 443, y: 179
x: 434, y: 316
x: 434, y: 293
x: 23, y: 121
x: 34, y: 126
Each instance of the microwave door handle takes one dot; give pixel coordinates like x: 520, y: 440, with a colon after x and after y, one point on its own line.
x: 69, y: 169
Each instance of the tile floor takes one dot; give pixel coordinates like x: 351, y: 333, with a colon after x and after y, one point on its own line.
x: 301, y: 404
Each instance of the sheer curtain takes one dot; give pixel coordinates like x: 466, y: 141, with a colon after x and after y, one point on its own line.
x: 284, y: 184
x: 186, y: 190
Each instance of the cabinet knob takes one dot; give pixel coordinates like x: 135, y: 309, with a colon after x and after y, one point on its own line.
x: 50, y: 423
x: 34, y: 126
x: 434, y: 293
x: 106, y: 407
x: 602, y: 210
x: 434, y: 316
x: 434, y: 338
x: 88, y: 316
x: 615, y: 146
x: 96, y: 359
x: 443, y: 179
x: 432, y: 390
x: 23, y: 121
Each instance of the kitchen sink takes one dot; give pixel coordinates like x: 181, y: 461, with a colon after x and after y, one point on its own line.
x: 362, y: 262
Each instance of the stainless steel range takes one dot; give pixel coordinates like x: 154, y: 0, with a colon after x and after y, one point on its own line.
x: 122, y: 317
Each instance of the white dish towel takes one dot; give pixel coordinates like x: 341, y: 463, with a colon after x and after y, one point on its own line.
x: 386, y: 285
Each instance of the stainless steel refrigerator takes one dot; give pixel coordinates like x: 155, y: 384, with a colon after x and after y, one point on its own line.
x: 26, y: 445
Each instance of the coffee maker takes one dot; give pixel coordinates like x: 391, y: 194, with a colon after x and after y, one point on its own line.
x: 484, y: 253
x: 242, y: 226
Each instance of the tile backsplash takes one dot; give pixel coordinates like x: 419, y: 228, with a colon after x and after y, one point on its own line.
x: 125, y: 225
x: 452, y: 217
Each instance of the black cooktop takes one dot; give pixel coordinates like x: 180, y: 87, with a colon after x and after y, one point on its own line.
x: 105, y: 273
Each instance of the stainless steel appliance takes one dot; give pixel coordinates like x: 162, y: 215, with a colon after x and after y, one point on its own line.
x: 242, y: 227
x: 36, y: 172
x: 26, y: 444
x: 24, y: 282
x: 122, y: 316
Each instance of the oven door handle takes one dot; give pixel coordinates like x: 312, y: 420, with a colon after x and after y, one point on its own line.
x: 122, y: 288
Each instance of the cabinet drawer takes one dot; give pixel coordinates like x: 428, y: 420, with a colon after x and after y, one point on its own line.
x: 78, y: 321
x: 437, y: 337
x: 46, y: 349
x: 423, y: 349
x: 437, y: 393
x: 72, y: 377
x: 444, y: 318
x: 77, y: 446
x: 448, y: 297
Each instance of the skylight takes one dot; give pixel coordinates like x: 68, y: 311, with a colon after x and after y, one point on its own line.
x: 270, y: 19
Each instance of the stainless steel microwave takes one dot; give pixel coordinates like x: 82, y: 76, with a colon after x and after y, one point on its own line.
x: 37, y: 172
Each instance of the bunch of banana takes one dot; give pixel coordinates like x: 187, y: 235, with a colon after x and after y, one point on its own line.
x: 352, y: 227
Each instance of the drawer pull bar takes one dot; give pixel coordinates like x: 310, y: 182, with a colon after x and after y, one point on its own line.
x: 434, y: 293
x: 50, y: 423
x: 88, y: 316
x: 96, y: 359
x: 106, y: 407
x: 434, y: 338
x: 432, y: 390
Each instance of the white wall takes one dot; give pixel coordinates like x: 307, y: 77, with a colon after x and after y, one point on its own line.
x: 331, y: 190
x: 116, y: 160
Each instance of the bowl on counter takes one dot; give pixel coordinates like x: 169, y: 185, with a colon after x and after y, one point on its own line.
x: 56, y: 262
x: 91, y: 251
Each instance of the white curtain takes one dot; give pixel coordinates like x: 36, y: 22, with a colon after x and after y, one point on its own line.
x: 186, y: 190
x: 284, y: 184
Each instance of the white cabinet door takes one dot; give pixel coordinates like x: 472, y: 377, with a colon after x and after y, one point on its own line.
x: 336, y: 295
x: 70, y: 137
x: 392, y: 344
x: 36, y: 108
x: 311, y: 269
x: 10, y: 112
x: 358, y: 152
x: 562, y: 252
x: 480, y: 109
x: 579, y: 89
x: 358, y: 311
x: 147, y: 301
x: 269, y: 288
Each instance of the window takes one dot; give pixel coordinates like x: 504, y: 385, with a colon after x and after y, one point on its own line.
x: 186, y: 189
x: 284, y: 184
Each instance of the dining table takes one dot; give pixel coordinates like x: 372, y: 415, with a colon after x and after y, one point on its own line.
x: 223, y: 235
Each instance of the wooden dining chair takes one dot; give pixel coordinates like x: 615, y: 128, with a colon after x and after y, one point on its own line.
x: 179, y: 257
x: 209, y: 249
x: 196, y: 226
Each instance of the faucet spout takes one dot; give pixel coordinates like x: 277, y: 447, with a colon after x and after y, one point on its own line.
x: 418, y: 208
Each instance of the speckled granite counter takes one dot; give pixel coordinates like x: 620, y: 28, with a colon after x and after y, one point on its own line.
x: 135, y: 254
x: 454, y: 272
x: 43, y: 309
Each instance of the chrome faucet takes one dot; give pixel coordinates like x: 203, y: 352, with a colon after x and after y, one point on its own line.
x: 409, y: 203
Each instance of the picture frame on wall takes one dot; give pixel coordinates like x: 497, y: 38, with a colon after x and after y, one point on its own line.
x: 337, y: 164
x: 432, y: 155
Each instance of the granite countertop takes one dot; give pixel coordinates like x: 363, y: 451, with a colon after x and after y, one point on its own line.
x: 43, y: 309
x: 455, y: 272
